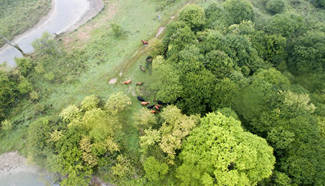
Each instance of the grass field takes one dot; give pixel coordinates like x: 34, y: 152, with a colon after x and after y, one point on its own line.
x: 13, y: 19
x: 105, y: 57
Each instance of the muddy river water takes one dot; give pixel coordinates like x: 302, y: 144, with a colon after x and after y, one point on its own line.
x: 63, y: 15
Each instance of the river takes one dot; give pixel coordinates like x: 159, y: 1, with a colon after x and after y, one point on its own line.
x: 63, y: 15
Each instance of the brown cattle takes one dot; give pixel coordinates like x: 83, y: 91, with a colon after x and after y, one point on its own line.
x: 144, y: 103
x: 144, y: 42
x: 157, y: 107
x: 139, y: 83
x: 142, y: 68
x: 127, y: 82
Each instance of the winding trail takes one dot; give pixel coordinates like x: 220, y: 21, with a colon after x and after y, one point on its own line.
x: 65, y: 15
x: 128, y: 63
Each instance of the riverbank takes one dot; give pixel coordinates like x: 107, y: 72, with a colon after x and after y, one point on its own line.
x: 64, y: 16
x: 95, y: 7
x: 12, y: 163
x: 13, y: 20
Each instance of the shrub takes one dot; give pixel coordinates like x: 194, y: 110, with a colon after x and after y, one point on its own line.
x: 193, y: 16
x: 117, y: 30
x: 90, y: 102
x: 6, y: 125
x: 239, y: 10
x: 70, y: 113
x: 275, y: 6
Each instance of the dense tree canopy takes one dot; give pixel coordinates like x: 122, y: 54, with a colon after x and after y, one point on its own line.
x: 220, y: 152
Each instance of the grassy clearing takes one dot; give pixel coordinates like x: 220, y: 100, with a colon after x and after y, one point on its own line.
x: 105, y: 57
x: 13, y: 19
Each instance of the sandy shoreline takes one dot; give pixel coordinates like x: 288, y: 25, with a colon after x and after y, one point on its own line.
x: 13, y: 163
x: 95, y: 6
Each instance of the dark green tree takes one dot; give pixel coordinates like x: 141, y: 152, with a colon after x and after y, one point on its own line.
x: 194, y: 16
x: 238, y: 10
x: 275, y: 6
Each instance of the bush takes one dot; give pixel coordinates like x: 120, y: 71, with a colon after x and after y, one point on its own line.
x: 70, y: 113
x: 6, y: 125
x: 239, y: 10
x: 193, y: 16
x: 117, y: 30
x: 90, y: 102
x: 275, y: 6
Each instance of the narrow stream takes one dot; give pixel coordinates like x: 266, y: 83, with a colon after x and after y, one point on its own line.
x: 64, y: 14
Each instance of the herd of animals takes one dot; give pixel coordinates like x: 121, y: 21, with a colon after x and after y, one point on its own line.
x: 154, y: 108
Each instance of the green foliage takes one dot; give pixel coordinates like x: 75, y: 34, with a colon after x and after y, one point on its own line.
x: 145, y: 119
x: 24, y: 66
x: 239, y: 10
x: 287, y: 24
x: 117, y: 103
x: 70, y: 113
x: 174, y: 128
x: 193, y: 16
x: 307, y: 53
x: 220, y: 152
x: 6, y: 125
x: 155, y: 170
x: 275, y: 6
x: 215, y: 16
x: 13, y: 87
x: 117, y: 30
x: 166, y: 82
x: 271, y: 48
x: 38, y: 137
x: 47, y: 45
x: 90, y: 102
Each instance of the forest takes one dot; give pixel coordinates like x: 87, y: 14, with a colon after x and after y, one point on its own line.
x: 234, y: 95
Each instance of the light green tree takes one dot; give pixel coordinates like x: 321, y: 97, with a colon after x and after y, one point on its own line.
x: 154, y: 169
x: 220, y: 152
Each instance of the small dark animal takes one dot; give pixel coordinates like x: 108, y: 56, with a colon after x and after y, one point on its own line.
x: 144, y: 42
x: 160, y: 102
x: 150, y: 106
x: 140, y: 98
x: 149, y: 59
x: 142, y: 68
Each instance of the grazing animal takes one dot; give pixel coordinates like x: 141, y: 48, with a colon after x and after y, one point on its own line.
x: 153, y: 111
x: 144, y: 42
x: 150, y: 106
x: 142, y: 68
x: 157, y: 107
x: 139, y: 83
x: 162, y: 103
x: 140, y: 98
x: 149, y: 59
x: 144, y: 103
x: 127, y: 82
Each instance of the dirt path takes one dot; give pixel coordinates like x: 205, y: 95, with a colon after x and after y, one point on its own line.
x: 128, y: 63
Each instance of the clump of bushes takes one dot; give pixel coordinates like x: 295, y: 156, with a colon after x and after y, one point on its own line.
x: 275, y: 6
